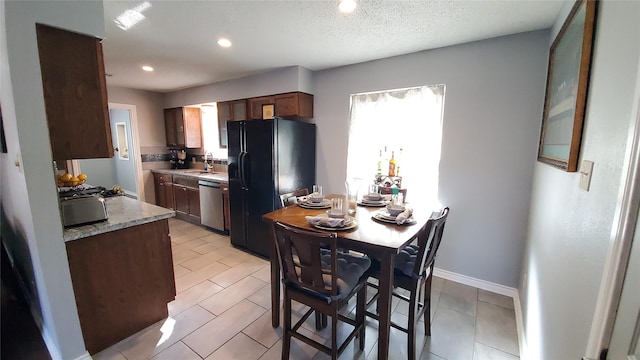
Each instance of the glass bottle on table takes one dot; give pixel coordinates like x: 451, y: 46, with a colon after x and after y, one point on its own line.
x: 392, y: 165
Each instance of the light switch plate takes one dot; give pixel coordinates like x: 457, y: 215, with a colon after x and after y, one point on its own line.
x: 585, y: 174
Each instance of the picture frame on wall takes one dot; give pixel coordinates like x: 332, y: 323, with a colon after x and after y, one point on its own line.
x: 268, y: 111
x: 567, y: 87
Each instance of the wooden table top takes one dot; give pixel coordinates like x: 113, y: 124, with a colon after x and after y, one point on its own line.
x: 369, y: 235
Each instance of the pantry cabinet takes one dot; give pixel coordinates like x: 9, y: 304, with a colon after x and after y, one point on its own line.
x: 75, y: 94
x: 293, y: 105
x: 183, y: 127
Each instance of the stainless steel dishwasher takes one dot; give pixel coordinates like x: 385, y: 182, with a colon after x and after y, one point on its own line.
x: 211, y: 206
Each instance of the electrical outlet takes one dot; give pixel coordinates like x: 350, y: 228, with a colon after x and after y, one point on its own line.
x: 585, y: 174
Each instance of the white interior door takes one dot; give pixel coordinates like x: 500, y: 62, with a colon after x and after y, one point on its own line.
x: 122, y: 138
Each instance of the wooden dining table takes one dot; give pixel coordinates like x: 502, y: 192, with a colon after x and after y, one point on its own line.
x: 379, y: 240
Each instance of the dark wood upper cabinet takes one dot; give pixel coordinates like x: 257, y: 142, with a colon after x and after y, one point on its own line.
x: 230, y: 111
x: 183, y: 126
x: 75, y: 94
x: 294, y: 105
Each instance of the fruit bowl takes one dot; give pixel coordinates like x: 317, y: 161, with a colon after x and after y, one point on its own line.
x: 71, y: 183
x: 67, y: 180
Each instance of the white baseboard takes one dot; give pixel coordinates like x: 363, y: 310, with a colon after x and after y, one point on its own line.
x: 480, y: 284
x: 85, y: 356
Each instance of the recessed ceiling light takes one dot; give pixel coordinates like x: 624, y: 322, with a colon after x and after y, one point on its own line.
x: 147, y: 68
x: 346, y: 6
x: 224, y: 42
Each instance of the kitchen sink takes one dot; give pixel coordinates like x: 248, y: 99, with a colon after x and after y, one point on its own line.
x: 198, y: 172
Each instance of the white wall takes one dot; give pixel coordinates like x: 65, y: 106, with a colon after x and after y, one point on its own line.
x: 29, y: 196
x: 570, y: 229
x: 493, y: 108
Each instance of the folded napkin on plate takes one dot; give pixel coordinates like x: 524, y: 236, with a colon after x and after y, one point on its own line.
x: 327, y: 221
x: 403, y: 216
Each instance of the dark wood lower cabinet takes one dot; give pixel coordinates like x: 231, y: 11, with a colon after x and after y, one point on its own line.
x: 186, y: 194
x: 122, y: 281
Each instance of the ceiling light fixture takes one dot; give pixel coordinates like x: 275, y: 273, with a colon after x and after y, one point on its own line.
x: 224, y: 42
x: 129, y: 18
x: 346, y: 6
x: 147, y: 68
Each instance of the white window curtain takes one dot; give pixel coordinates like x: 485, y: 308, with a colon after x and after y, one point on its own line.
x: 407, y: 119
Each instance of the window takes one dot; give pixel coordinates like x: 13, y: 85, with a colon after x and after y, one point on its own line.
x: 407, y: 119
x: 210, y: 138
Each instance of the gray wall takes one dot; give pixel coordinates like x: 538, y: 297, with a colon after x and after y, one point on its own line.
x: 31, y: 216
x: 570, y: 229
x: 493, y: 107
x: 292, y: 78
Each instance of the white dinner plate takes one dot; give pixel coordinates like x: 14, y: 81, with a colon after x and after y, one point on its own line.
x: 351, y: 223
x: 384, y: 216
x: 324, y: 204
x: 378, y: 203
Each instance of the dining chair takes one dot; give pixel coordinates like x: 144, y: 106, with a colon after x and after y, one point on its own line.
x: 292, y: 197
x: 315, y: 274
x: 413, y: 271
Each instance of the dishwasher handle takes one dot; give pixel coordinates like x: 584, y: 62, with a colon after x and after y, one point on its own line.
x: 209, y: 183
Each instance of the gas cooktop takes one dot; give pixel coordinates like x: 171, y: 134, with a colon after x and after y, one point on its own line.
x: 85, y: 190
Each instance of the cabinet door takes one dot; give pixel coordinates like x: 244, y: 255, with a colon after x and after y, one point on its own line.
x: 181, y: 199
x: 224, y: 114
x: 255, y: 106
x: 171, y: 127
x: 239, y: 108
x: 75, y: 94
x: 194, y: 202
x: 192, y: 127
x: 168, y: 195
x: 159, y: 190
x: 286, y: 104
x: 296, y: 105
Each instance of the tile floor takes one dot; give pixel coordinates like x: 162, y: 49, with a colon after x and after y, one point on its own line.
x: 222, y: 311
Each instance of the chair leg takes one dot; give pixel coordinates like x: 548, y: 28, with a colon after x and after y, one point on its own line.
x: 286, y: 329
x: 411, y: 326
x: 360, y: 314
x: 427, y: 307
x: 334, y: 335
x: 321, y: 320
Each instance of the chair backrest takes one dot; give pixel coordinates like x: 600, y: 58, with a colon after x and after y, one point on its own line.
x: 292, y: 197
x: 388, y: 190
x: 429, y: 238
x: 300, y: 256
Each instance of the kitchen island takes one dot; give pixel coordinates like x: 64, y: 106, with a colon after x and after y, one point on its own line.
x: 121, y: 271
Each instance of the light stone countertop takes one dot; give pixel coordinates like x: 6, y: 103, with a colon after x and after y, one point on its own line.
x: 196, y: 174
x: 123, y: 212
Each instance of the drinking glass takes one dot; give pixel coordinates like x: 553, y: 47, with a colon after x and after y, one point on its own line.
x: 336, y: 204
x: 317, y: 189
x: 373, y: 189
x: 352, y: 199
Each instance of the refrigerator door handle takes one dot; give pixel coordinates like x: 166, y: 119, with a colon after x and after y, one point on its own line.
x: 246, y: 176
x: 241, y: 169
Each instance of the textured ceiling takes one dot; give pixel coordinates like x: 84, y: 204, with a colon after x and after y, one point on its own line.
x: 178, y: 38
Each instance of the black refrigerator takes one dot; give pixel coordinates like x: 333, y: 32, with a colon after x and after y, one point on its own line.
x: 266, y: 158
